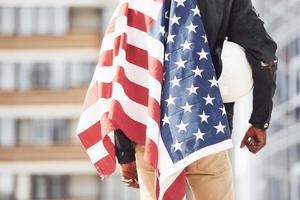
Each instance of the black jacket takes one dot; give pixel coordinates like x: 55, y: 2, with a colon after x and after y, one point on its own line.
x: 238, y: 21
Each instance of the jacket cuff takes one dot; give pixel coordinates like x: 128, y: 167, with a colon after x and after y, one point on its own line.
x: 261, y: 125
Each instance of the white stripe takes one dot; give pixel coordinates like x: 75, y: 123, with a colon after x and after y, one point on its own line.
x: 152, y: 131
x: 92, y: 114
x: 97, y: 152
x: 134, y: 73
x: 154, y: 47
x: 155, y: 89
x: 134, y: 110
x: 148, y: 7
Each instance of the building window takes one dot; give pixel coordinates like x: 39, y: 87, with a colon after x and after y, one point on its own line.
x: 49, y: 187
x: 40, y: 75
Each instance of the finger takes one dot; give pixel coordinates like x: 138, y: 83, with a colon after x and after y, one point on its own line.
x: 246, y: 138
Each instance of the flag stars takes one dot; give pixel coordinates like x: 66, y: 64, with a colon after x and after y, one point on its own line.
x: 223, y: 110
x: 209, y: 100
x: 220, y: 128
x: 174, y: 19
x: 167, y: 56
x: 170, y: 38
x: 177, y: 146
x: 213, y: 82
x: 180, y: 3
x: 161, y: 30
x: 182, y: 126
x: 191, y: 28
x: 204, y: 117
x: 187, y: 107
x: 197, y: 72
x: 205, y: 38
x: 175, y: 82
x: 199, y: 135
x: 166, y: 119
x: 196, y: 11
x: 180, y: 63
x: 186, y: 45
x: 203, y: 54
x: 192, y: 89
x: 170, y: 100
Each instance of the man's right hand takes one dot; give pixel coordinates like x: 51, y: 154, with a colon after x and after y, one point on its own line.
x: 129, y: 174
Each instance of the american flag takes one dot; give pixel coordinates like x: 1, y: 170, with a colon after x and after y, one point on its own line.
x: 155, y: 80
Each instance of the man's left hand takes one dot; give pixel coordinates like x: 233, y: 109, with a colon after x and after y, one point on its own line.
x: 254, y: 139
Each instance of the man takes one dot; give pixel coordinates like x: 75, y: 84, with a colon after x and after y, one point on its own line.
x: 211, y: 177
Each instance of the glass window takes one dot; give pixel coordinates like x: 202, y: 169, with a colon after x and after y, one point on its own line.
x: 49, y: 187
x: 40, y: 75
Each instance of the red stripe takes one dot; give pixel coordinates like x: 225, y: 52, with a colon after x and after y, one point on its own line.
x: 91, y: 136
x: 134, y: 55
x: 176, y: 191
x: 135, y: 130
x: 154, y: 109
x: 135, y: 19
x: 135, y: 92
x: 122, y: 12
x: 139, y: 20
x: 107, y: 165
x: 151, y: 153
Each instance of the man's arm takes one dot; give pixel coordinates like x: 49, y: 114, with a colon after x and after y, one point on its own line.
x: 125, y: 153
x: 247, y: 30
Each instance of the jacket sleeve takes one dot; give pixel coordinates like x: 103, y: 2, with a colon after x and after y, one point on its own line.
x: 247, y: 29
x: 124, y: 148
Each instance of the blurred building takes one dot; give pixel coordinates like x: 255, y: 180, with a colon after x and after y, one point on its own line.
x: 48, y: 52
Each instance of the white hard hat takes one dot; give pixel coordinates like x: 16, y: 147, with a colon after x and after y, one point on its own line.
x: 236, y: 77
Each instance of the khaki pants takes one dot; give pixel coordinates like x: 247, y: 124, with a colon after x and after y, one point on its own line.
x: 210, y: 178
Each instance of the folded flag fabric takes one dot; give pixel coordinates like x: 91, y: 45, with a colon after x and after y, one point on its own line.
x: 155, y: 81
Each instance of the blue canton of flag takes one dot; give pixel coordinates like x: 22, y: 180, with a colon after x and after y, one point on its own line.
x: 193, y: 116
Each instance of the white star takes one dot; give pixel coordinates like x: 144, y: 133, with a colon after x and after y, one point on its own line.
x: 175, y: 82
x: 161, y: 30
x: 174, y: 19
x: 205, y: 38
x: 171, y: 100
x: 166, y: 119
x: 191, y: 27
x: 187, y: 107
x: 223, y: 110
x: 199, y: 135
x: 220, y: 128
x: 170, y: 38
x: 180, y: 63
x: 180, y: 3
x: 192, y: 89
x: 204, y: 117
x: 166, y: 15
x: 182, y: 126
x: 186, y: 45
x: 177, y: 146
x: 164, y: 74
x: 196, y: 11
x: 197, y: 72
x: 213, y: 82
x: 209, y: 100
x: 167, y: 56
x: 202, y: 54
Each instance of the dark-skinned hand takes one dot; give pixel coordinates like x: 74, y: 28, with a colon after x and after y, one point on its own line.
x: 254, y: 139
x: 129, y: 174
